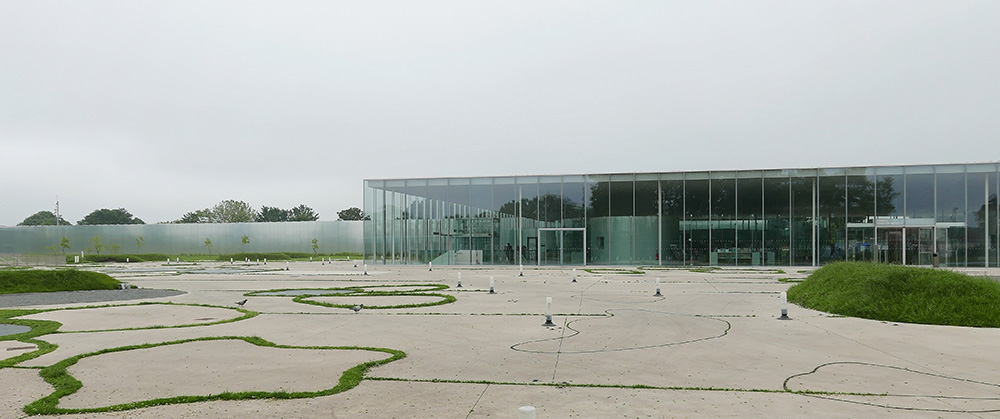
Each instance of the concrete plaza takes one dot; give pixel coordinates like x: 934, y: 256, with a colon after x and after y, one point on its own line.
x: 710, y: 346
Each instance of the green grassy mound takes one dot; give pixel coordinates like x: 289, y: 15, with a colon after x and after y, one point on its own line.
x: 36, y: 280
x: 900, y: 294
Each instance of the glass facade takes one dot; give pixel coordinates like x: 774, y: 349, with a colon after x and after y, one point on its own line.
x: 792, y: 217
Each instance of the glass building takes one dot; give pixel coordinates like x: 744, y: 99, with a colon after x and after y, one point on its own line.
x: 786, y: 217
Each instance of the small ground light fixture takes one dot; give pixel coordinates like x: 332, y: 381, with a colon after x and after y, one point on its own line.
x: 548, y: 312
x: 784, y: 306
x: 459, y: 280
x: 491, y: 285
x: 657, y: 288
x: 574, y: 274
x: 521, y: 269
x: 430, y: 266
x: 366, y: 269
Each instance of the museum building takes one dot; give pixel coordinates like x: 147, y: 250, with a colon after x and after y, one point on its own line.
x: 907, y: 215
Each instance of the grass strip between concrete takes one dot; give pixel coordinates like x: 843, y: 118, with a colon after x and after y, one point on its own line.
x: 65, y: 384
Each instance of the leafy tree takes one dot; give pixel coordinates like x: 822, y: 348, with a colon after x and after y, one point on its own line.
x: 302, y: 213
x: 232, y: 211
x: 198, y: 216
x: 244, y: 241
x: 52, y: 248
x: 272, y: 215
x: 208, y: 244
x: 96, y: 242
x: 315, y: 245
x: 110, y: 216
x: 64, y: 244
x: 115, y: 248
x: 140, y: 242
x: 43, y: 218
x: 352, y: 214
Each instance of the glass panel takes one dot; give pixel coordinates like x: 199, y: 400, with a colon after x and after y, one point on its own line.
x: 977, y: 198
x: 528, y: 210
x: 776, y: 221
x: 620, y: 226
x: 573, y: 201
x: 861, y: 199
x: 920, y: 199
x: 646, y: 222
x: 723, y: 225
x: 598, y: 187
x: 889, y: 202
x: 696, y: 221
x: 951, y: 197
x: 831, y: 234
x: 484, y: 222
x: 505, y: 202
x: 672, y: 209
x: 550, y: 201
x: 750, y: 224
x: 801, y: 225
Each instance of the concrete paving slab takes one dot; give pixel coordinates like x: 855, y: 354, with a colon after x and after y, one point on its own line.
x: 206, y: 367
x: 133, y: 316
x: 708, y: 331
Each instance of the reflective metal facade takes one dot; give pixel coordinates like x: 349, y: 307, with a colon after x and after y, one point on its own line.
x: 787, y: 217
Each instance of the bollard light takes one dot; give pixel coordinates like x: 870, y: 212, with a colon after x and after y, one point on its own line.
x: 286, y: 264
x: 76, y: 259
x: 265, y: 261
x: 491, y: 285
x: 178, y: 260
x: 521, y: 267
x: 526, y: 412
x: 366, y: 269
x: 548, y: 312
x: 230, y: 261
x: 784, y: 306
x: 459, y: 280
x: 430, y: 266
x: 127, y: 260
x: 574, y: 274
x: 348, y: 258
x: 657, y: 288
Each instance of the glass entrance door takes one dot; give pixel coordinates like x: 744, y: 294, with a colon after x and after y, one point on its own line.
x: 919, y: 245
x: 561, y: 246
x: 890, y: 245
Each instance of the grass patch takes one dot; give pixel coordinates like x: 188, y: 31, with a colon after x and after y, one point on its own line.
x: 65, y: 384
x: 39, y: 280
x: 900, y: 294
x: 38, y: 328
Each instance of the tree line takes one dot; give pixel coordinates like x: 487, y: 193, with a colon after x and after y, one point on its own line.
x: 227, y: 211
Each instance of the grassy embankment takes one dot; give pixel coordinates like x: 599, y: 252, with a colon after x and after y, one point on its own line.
x: 37, y: 280
x: 901, y: 294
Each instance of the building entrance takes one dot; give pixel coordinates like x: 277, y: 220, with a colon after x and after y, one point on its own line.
x: 906, y: 245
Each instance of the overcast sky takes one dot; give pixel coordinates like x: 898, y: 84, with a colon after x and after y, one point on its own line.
x: 167, y: 107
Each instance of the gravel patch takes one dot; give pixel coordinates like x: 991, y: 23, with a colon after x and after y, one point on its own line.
x: 75, y: 297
